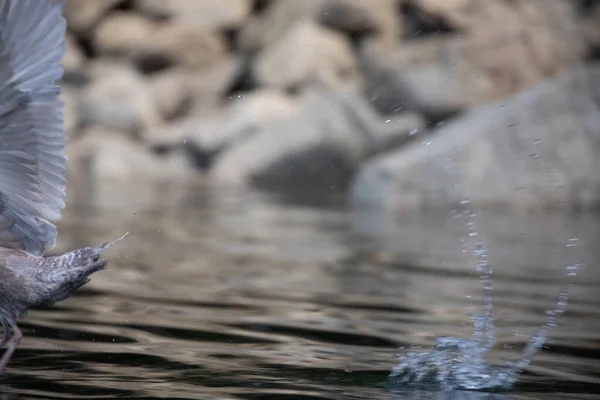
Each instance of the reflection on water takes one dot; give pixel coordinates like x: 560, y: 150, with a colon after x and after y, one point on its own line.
x: 245, y: 296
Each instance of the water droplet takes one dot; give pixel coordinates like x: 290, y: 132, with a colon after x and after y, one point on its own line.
x: 387, y: 121
x: 536, y: 141
x: 413, y: 132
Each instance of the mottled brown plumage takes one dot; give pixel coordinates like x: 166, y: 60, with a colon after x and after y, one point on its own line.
x: 32, y: 166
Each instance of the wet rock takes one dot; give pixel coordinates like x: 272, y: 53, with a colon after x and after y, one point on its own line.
x: 221, y: 14
x: 538, y: 148
x: 502, y: 48
x: 307, y: 54
x: 322, y: 144
x: 181, y: 44
x: 82, y: 16
x: 121, y: 33
x: 118, y: 98
x: 107, y: 155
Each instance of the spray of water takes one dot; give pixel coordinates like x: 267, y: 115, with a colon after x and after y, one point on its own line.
x: 457, y: 363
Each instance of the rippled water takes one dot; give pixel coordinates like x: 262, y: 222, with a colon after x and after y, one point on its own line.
x: 246, y: 296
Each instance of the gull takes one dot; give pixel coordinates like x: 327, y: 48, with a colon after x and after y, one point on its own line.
x: 32, y: 167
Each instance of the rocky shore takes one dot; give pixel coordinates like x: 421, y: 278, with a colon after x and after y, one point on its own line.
x: 376, y: 98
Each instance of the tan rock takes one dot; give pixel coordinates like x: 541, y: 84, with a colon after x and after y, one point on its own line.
x: 182, y: 44
x: 74, y: 57
x: 118, y: 98
x: 178, y: 91
x: 122, y: 32
x: 221, y: 14
x: 210, y: 84
x: 82, y: 16
x: 275, y: 22
x: 210, y: 134
x: 171, y: 92
x: 306, y: 54
x: 70, y: 114
x: 103, y: 154
x: 504, y: 47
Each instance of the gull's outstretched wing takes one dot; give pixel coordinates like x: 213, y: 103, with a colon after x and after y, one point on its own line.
x: 32, y: 137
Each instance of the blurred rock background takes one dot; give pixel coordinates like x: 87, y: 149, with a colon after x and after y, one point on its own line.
x: 374, y: 98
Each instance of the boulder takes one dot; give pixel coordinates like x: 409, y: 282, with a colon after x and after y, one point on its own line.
x: 359, y: 18
x: 379, y: 19
x: 120, y: 33
x: 180, y: 44
x: 82, y: 16
x: 171, y: 92
x: 500, y: 49
x: 275, y: 21
x: 591, y: 28
x: 307, y: 54
x: 74, y: 57
x: 70, y: 114
x: 539, y: 148
x: 207, y: 135
x: 181, y: 91
x: 118, y: 98
x: 320, y: 145
x: 103, y: 154
x: 220, y: 14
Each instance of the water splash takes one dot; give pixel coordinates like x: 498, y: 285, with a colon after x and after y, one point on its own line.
x: 458, y: 363
x: 461, y: 364
x: 453, y: 364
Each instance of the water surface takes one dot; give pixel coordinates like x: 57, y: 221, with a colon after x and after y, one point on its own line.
x: 250, y: 296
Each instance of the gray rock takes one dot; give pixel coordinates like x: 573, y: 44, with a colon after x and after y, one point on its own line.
x: 539, y: 148
x: 377, y: 18
x: 321, y: 145
x: 307, y: 54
